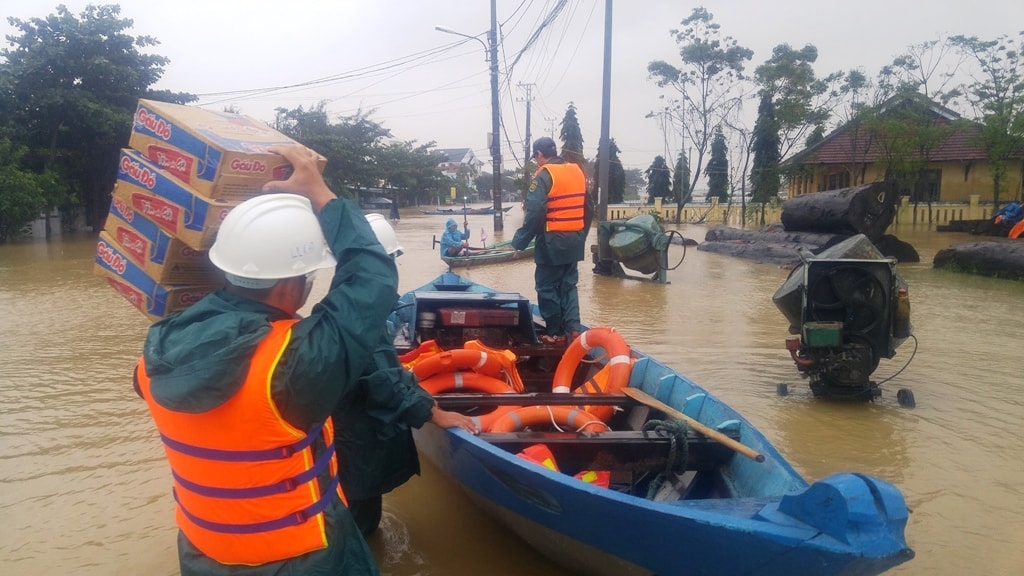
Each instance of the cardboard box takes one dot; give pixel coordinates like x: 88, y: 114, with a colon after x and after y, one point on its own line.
x: 174, y: 207
x: 218, y: 154
x: 153, y: 299
x: 164, y: 258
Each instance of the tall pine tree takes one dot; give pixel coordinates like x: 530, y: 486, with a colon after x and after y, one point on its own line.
x: 681, y: 180
x: 658, y: 180
x: 764, y: 176
x: 572, y: 137
x: 717, y: 169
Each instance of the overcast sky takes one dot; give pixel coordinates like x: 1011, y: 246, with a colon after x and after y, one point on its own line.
x: 425, y: 85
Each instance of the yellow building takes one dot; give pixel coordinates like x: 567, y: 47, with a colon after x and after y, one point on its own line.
x: 868, y: 150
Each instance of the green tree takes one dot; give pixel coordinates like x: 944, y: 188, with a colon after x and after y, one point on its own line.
x: 906, y: 130
x: 681, y: 180
x: 764, y: 176
x: 616, y: 174
x: 658, y: 180
x: 24, y: 194
x: 68, y: 89
x: 410, y: 172
x: 572, y: 137
x: 706, y: 85
x: 717, y: 169
x: 350, y: 145
x: 997, y: 95
x: 634, y: 182
x: 801, y: 102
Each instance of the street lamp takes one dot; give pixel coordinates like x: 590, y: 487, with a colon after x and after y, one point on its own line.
x: 492, y: 51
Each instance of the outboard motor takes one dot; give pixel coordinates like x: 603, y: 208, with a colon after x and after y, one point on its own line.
x: 640, y: 244
x: 847, y: 310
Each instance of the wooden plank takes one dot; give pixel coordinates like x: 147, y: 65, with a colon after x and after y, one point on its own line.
x: 616, y: 450
x: 456, y: 401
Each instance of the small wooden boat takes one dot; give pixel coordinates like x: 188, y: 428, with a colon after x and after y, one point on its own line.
x: 647, y: 473
x: 464, y: 211
x: 490, y: 254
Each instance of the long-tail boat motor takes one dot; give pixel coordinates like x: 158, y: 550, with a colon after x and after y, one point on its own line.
x: 847, y: 308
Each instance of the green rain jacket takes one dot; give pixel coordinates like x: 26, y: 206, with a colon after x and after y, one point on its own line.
x: 551, y: 248
x: 373, y: 426
x: 197, y: 359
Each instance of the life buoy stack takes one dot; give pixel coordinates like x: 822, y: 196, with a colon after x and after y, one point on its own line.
x: 610, y: 379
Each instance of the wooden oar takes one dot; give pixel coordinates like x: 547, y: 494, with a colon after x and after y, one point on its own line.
x: 648, y: 400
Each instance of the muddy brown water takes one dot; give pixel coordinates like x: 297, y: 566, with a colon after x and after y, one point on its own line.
x: 85, y: 490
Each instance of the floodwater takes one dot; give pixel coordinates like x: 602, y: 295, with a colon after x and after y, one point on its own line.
x: 84, y: 488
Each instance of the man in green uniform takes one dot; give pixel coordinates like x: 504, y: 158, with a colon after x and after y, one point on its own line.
x: 200, y: 361
x: 555, y: 215
x: 373, y: 424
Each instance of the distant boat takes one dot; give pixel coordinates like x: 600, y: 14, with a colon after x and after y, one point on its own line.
x: 468, y: 211
x: 491, y: 254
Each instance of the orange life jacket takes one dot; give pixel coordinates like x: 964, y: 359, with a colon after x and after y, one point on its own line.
x: 567, y: 197
x: 541, y: 454
x: 245, y: 481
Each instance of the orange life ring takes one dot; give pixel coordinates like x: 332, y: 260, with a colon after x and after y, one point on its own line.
x: 567, y: 416
x: 599, y: 384
x: 460, y: 359
x: 460, y: 381
x: 471, y: 382
x: 618, y: 367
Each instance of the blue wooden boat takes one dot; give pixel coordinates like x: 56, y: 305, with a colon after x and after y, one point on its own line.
x: 736, y: 508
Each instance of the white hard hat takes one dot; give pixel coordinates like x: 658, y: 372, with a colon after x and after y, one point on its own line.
x: 270, y: 237
x: 385, y: 234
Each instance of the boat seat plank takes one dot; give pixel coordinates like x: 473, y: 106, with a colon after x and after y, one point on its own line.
x: 455, y: 401
x: 615, y: 450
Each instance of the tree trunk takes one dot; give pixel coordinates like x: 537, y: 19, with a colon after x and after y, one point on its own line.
x: 868, y: 209
x: 812, y: 240
x: 1003, y: 258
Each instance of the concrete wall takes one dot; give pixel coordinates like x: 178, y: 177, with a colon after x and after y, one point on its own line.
x: 730, y: 215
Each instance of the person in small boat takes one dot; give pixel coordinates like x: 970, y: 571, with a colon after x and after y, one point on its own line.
x: 453, y: 242
x: 241, y: 388
x: 373, y: 423
x: 556, y: 213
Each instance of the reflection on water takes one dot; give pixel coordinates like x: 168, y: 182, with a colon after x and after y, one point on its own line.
x: 84, y: 488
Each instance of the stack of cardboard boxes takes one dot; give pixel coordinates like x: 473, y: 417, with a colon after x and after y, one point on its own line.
x: 185, y: 169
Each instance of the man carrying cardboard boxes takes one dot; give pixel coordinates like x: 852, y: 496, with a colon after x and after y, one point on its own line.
x: 241, y: 389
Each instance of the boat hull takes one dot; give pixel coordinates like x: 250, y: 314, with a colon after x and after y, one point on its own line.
x: 765, y: 520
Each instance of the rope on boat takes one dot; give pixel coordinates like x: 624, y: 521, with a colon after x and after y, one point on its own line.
x: 677, y: 432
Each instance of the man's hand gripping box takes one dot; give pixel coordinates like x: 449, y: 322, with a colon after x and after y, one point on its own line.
x: 218, y: 154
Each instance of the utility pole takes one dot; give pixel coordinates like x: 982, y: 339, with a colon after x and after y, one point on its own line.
x: 529, y: 98
x: 606, y: 97
x: 551, y: 126
x: 492, y: 38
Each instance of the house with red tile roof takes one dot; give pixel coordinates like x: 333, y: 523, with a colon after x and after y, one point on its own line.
x: 945, y: 150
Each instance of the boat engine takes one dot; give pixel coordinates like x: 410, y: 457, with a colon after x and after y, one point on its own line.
x: 847, y: 310
x: 640, y: 244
